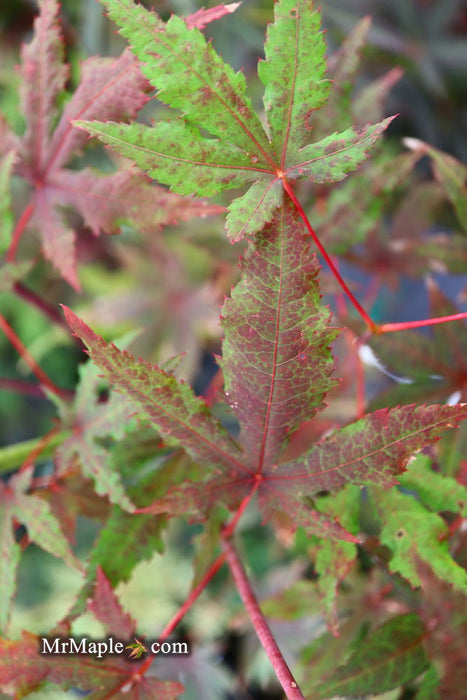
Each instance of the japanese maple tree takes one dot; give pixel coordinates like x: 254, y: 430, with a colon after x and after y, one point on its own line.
x: 342, y: 491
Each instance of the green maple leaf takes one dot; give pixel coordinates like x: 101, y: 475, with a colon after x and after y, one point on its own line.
x: 93, y: 421
x: 435, y: 491
x: 391, y: 656
x: 192, y: 78
x: 17, y: 505
x: 413, y: 534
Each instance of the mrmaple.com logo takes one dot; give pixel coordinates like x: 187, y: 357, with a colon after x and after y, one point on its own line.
x: 58, y: 646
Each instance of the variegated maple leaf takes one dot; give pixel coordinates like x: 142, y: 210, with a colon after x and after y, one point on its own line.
x: 109, y: 89
x: 238, y: 150
x: 277, y: 367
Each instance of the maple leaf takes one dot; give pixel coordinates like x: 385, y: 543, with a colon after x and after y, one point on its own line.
x: 413, y: 534
x: 183, y: 419
x: 109, y: 89
x: 211, y: 95
x: 92, y: 421
x: 392, y: 655
x: 18, y: 506
x: 372, y: 450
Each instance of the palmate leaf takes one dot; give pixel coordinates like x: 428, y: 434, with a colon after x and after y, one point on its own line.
x: 373, y: 450
x: 211, y: 95
x: 109, y: 89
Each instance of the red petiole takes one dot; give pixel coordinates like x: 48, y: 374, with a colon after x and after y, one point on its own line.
x: 375, y: 328
x: 31, y: 362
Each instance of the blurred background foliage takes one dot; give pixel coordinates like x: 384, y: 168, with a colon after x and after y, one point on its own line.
x: 171, y: 287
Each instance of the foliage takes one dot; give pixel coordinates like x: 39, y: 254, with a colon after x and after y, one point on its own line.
x: 362, y: 503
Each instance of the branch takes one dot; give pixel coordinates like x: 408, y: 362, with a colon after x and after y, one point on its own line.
x: 44, y: 307
x: 19, y: 386
x: 263, y: 631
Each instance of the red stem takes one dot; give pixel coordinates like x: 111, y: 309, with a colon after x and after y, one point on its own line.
x: 210, y: 573
x: 372, y: 326
x: 38, y: 449
x: 21, y: 387
x: 18, y: 232
x: 282, y: 671
x: 30, y: 361
x: 194, y: 595
x: 35, y: 300
x: 369, y: 322
x: 390, y: 327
